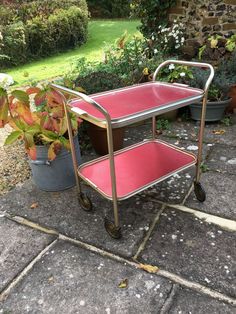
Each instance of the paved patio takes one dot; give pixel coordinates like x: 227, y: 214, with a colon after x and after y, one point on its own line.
x: 56, y: 258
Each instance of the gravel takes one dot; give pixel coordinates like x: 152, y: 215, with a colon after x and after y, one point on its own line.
x: 14, y: 168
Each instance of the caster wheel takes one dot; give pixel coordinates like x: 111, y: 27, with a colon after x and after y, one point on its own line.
x: 199, y: 192
x: 112, y: 230
x: 85, y: 202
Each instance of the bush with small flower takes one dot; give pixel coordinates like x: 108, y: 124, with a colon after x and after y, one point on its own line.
x: 176, y: 73
x: 125, y: 63
x: 169, y: 40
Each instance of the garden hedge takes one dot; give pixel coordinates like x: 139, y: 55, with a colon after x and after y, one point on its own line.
x: 109, y: 8
x: 42, y: 28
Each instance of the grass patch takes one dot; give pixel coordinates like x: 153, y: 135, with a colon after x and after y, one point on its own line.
x: 101, y: 32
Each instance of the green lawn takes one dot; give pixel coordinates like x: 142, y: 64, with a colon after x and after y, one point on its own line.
x: 100, y: 33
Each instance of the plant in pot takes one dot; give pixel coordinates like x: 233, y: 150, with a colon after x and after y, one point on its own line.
x: 218, y: 98
x: 37, y: 118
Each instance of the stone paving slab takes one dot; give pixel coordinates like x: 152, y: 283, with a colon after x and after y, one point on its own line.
x: 223, y: 159
x: 18, y: 246
x: 173, y: 189
x: 189, y: 131
x: 194, y: 249
x: 187, y: 301
x: 62, y: 212
x: 220, y: 195
x: 70, y: 279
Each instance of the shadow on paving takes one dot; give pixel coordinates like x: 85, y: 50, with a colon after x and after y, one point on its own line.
x: 62, y: 212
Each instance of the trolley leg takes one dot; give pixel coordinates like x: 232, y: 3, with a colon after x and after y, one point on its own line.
x: 198, y: 189
x: 154, y: 123
x: 82, y: 198
x: 113, y: 229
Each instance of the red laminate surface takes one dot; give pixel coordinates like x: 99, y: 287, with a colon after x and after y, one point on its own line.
x: 135, y: 99
x: 137, y: 167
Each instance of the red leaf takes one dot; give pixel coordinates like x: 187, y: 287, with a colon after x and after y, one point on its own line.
x: 33, y: 90
x: 32, y: 152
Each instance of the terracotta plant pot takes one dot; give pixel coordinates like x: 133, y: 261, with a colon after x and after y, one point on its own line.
x: 98, y: 138
x: 232, y: 94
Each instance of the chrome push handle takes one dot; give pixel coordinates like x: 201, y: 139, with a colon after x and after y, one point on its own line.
x: 190, y: 64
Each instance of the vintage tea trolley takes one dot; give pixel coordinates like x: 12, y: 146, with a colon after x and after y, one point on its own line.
x: 121, y: 174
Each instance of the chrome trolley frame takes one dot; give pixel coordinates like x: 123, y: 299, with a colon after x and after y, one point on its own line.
x: 113, y: 228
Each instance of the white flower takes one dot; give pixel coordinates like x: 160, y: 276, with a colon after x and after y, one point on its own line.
x: 171, y: 66
x: 177, y: 46
x: 153, y: 37
x: 5, y: 80
x: 155, y: 51
x: 182, y: 74
x: 182, y: 40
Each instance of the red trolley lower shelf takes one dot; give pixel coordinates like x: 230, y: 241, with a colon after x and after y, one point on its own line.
x: 137, y: 167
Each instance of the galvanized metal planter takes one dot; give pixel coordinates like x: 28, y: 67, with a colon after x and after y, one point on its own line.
x: 56, y: 175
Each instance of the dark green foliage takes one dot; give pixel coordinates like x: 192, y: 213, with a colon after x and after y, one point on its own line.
x: 60, y: 31
x: 99, y: 81
x: 130, y: 61
x: 26, y: 10
x: 32, y: 29
x: 225, y: 76
x: 152, y: 14
x: 14, y: 44
x: 109, y: 8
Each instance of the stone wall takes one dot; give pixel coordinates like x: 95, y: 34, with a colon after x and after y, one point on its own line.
x: 205, y: 17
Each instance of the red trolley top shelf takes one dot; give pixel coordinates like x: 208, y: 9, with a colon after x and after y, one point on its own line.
x: 137, y: 167
x: 138, y: 102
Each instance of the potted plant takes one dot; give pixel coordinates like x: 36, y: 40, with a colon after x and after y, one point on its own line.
x: 37, y: 118
x: 218, y: 98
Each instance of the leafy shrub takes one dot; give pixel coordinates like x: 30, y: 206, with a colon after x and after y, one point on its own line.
x: 152, y: 13
x: 14, y: 45
x: 53, y: 29
x: 63, y: 30
x: 169, y: 39
x: 27, y: 10
x: 109, y: 8
x: 225, y: 76
x: 99, y: 81
x: 7, y: 15
x: 126, y: 63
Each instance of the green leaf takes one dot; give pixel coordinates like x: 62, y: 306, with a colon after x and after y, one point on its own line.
x: 21, y: 96
x: 12, y: 137
x: 65, y: 142
x: 51, y: 135
x: 20, y: 124
x: 33, y: 129
x: 3, y: 92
